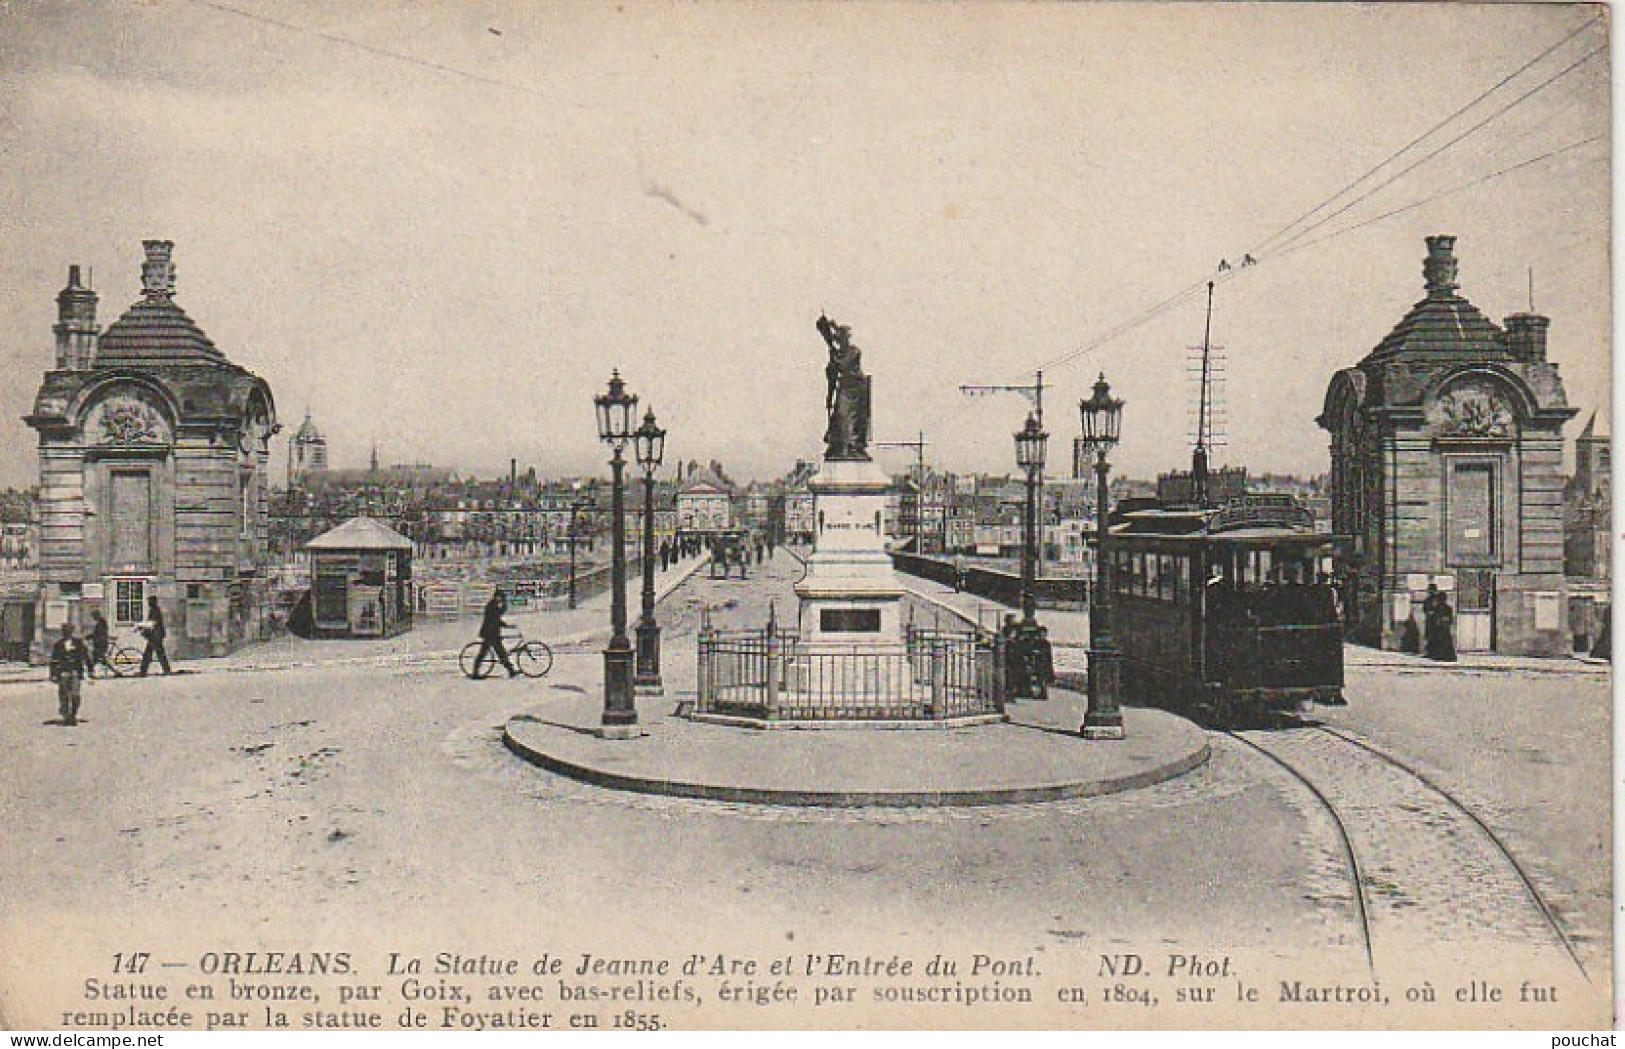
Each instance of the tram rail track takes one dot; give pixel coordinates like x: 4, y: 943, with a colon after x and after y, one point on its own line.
x: 1419, y: 859
x: 1357, y: 877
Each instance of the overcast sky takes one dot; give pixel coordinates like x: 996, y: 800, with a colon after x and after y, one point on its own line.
x: 438, y: 226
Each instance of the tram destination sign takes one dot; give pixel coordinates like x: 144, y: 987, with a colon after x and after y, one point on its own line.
x: 1262, y: 511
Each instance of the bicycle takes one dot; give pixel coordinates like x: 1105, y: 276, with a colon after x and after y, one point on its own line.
x: 121, y: 660
x: 531, y: 658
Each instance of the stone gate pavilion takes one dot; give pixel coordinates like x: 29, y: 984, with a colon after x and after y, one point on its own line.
x: 1447, y: 457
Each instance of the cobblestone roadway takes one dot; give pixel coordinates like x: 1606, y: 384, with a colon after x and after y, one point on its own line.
x: 1431, y: 875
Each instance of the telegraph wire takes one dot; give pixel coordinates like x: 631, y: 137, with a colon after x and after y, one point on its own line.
x: 1266, y: 242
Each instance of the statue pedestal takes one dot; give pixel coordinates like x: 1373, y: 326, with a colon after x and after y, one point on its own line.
x: 849, y: 595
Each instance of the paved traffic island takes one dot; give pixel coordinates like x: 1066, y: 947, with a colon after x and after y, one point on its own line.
x: 1035, y: 756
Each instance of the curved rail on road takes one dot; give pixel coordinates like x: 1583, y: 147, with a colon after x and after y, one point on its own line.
x: 1529, y: 886
x: 1355, y: 872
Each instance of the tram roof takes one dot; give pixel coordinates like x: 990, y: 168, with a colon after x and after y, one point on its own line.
x: 1251, y: 519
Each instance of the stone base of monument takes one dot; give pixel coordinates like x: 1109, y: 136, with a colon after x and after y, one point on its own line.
x: 849, y: 595
x: 1037, y: 758
x: 849, y: 662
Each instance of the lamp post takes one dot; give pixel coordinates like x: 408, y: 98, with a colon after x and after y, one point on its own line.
x: 1030, y: 443
x: 1027, y: 650
x: 615, y: 411
x: 1102, y: 425
x: 649, y: 447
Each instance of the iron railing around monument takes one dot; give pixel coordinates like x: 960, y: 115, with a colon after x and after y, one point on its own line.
x: 776, y: 676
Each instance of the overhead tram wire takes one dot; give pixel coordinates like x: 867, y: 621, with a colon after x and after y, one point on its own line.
x: 1194, y: 288
x: 1463, y: 187
x: 1178, y: 298
x: 1265, y: 244
x: 1153, y: 312
x: 1543, y: 85
x: 384, y: 52
x: 1188, y: 292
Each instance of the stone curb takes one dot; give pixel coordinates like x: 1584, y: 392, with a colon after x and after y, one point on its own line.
x: 1024, y: 795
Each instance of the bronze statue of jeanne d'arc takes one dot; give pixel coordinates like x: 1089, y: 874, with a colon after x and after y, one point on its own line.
x: 846, y: 401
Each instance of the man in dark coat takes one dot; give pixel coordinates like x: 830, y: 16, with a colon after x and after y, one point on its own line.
x: 69, y: 662
x: 491, y: 632
x: 155, y: 634
x: 99, y: 643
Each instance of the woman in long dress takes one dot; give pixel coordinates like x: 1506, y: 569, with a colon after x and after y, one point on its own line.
x: 1441, y: 642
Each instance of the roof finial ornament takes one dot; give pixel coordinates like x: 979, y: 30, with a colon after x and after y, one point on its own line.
x: 158, y: 271
x: 1439, y: 269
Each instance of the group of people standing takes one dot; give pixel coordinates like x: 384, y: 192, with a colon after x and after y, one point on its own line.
x: 72, y: 661
x: 672, y: 550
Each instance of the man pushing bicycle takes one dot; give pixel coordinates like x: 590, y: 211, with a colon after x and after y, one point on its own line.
x: 491, y: 632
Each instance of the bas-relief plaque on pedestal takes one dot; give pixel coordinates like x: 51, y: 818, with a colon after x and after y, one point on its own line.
x: 849, y: 594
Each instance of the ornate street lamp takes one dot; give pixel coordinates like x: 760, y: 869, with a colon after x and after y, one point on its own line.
x: 1027, y: 649
x: 1102, y: 425
x: 1031, y: 441
x: 615, y: 411
x: 649, y: 447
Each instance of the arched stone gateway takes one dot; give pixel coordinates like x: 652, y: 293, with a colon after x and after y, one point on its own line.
x: 153, y: 456
x: 1447, y: 453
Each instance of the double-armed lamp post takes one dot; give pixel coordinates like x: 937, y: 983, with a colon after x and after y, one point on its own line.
x: 616, y: 410
x: 649, y: 446
x: 1102, y: 426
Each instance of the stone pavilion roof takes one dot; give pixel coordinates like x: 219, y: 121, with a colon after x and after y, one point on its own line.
x: 152, y: 333
x: 1443, y: 324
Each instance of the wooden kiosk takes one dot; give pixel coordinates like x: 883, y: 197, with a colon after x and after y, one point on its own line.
x: 360, y: 580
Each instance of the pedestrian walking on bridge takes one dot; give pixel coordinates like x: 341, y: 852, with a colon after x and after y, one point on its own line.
x: 154, y: 632
x: 70, y: 661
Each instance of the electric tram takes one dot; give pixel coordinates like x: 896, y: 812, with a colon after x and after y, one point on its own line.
x: 1225, y: 612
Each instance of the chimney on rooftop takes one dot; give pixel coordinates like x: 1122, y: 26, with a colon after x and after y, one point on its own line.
x: 158, y: 271
x: 75, y: 327
x: 1439, y: 269
x: 1526, y: 336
